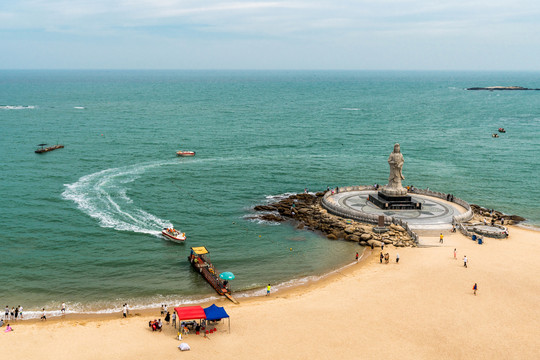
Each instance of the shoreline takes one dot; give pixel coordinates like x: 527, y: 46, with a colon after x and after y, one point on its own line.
x: 421, y: 308
x: 245, y: 295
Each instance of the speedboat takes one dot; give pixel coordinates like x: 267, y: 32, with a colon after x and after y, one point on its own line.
x: 501, y: 130
x: 173, y: 234
x: 185, y: 153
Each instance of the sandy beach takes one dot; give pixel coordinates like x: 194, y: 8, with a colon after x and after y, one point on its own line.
x: 421, y: 308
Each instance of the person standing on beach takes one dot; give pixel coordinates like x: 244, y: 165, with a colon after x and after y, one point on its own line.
x: 174, y: 319
x: 455, y: 254
x: 475, y: 287
x: 16, y: 312
x: 357, y: 256
x: 465, y: 260
x: 162, y: 309
x: 63, y: 309
x: 268, y: 290
x: 124, y: 310
x: 43, y: 316
x: 381, y: 257
x: 397, y: 258
x: 20, y: 312
x: 441, y: 238
x: 6, y: 315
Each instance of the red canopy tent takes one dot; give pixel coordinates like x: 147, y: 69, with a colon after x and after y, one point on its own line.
x: 190, y: 312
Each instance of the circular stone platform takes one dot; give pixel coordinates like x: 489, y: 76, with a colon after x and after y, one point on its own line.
x: 436, y: 214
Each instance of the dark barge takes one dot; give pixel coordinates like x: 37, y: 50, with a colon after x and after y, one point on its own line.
x: 43, y: 149
x: 200, y: 261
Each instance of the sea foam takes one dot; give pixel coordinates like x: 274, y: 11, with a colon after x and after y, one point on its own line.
x: 103, y: 196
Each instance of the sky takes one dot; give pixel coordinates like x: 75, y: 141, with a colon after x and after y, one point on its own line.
x: 275, y: 34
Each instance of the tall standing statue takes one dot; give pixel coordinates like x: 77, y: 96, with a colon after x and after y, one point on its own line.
x: 395, y: 160
x: 394, y: 187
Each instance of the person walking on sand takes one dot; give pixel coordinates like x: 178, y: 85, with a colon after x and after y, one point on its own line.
x: 124, y: 310
x: 43, y: 316
x: 174, y: 319
x: 268, y: 290
x: 465, y: 260
x: 357, y: 256
x: 381, y: 257
x: 475, y: 287
x: 441, y: 238
x: 397, y: 258
x: 455, y: 254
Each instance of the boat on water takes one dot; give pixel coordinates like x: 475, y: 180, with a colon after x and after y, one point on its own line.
x: 501, y: 130
x: 174, y: 235
x: 200, y: 261
x: 43, y: 149
x: 185, y: 153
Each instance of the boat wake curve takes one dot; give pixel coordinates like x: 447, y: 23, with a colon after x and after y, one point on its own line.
x: 102, y: 195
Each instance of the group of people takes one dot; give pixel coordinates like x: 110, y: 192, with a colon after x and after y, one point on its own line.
x: 386, y: 258
x: 14, y: 314
x: 155, y: 325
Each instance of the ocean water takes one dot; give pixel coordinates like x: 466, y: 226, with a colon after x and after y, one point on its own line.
x: 81, y: 224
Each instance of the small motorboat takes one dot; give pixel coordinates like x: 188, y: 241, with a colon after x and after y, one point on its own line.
x: 185, y: 153
x: 174, y: 235
x: 495, y: 135
x: 501, y: 130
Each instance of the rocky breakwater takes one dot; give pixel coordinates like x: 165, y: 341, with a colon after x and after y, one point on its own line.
x: 306, y: 212
x: 480, y: 213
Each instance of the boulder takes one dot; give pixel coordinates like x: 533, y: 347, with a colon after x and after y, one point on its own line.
x: 264, y: 208
x: 300, y: 226
x: 374, y: 243
x: 349, y: 229
x: 352, y: 238
x: 364, y: 243
x: 331, y: 237
x: 271, y: 217
x: 366, y: 236
x: 387, y: 241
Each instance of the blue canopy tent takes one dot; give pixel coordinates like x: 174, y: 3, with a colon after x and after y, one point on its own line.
x: 214, y: 313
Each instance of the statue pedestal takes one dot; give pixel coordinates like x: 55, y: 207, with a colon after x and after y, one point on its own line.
x: 386, y: 201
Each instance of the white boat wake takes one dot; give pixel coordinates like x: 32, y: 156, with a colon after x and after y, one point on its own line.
x: 102, y: 195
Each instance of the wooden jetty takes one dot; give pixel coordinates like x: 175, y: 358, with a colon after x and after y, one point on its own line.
x: 43, y: 149
x: 200, y: 262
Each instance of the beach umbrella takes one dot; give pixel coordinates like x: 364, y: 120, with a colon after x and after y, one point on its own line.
x: 226, y: 275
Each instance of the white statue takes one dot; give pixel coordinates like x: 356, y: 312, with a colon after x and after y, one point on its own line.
x: 394, y: 187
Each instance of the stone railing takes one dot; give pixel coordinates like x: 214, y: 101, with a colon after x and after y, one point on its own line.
x: 333, y: 207
x: 466, y: 216
x: 492, y: 234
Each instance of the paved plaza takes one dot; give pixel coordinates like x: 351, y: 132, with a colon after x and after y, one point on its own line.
x: 436, y: 214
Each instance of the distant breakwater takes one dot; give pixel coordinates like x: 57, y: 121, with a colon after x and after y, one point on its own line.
x: 307, y: 212
x: 492, y: 88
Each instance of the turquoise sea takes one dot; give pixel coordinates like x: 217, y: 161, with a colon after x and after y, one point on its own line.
x: 81, y: 224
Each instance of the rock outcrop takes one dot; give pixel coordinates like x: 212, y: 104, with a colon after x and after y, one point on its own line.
x: 305, y: 210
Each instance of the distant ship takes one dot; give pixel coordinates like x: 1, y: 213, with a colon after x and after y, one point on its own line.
x: 43, y: 149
